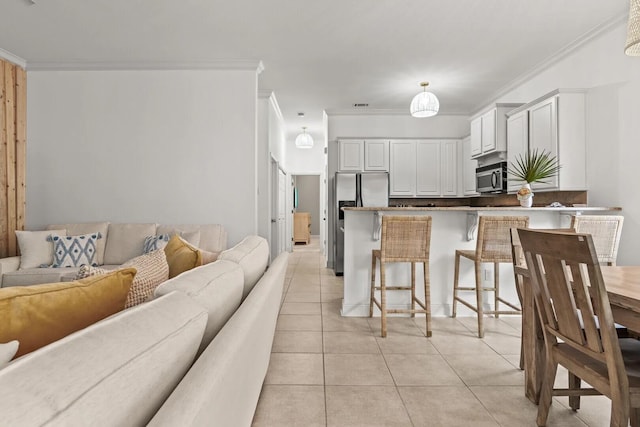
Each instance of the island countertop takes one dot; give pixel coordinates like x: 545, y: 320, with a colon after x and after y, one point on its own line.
x: 485, y: 208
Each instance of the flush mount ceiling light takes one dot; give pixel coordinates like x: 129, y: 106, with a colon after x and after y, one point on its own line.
x: 304, y: 140
x: 632, y: 47
x: 424, y: 104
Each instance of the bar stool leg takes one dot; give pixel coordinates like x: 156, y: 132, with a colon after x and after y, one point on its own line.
x: 373, y: 283
x: 413, y: 289
x: 383, y: 301
x: 427, y: 297
x: 496, y: 287
x: 456, y: 277
x: 479, y: 310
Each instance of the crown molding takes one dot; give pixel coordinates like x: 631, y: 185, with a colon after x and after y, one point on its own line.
x: 249, y: 65
x: 13, y: 58
x: 385, y: 112
x: 550, y: 61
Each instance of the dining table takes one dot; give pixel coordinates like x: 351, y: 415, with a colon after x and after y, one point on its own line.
x: 623, y: 289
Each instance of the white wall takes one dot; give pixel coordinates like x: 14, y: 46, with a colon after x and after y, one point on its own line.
x: 301, y: 161
x: 613, y: 124
x: 143, y: 146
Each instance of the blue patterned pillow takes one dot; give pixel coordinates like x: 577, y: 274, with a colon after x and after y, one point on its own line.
x: 153, y: 243
x: 74, y: 251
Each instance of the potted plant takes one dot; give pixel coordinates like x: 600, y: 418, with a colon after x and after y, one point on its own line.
x: 534, y: 166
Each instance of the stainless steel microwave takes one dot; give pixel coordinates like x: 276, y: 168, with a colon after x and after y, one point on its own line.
x: 492, y: 178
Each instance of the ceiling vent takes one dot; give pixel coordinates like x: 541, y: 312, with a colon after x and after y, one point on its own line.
x: 361, y: 105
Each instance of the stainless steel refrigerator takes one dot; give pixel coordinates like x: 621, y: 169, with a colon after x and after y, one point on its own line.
x: 368, y: 189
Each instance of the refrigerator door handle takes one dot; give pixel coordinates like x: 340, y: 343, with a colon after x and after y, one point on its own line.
x: 359, y: 190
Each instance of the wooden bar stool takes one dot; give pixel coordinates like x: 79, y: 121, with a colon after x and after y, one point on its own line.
x: 605, y: 231
x: 403, y: 239
x: 493, y: 245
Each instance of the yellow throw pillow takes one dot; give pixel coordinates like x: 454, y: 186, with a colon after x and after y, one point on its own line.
x: 181, y: 256
x: 41, y: 314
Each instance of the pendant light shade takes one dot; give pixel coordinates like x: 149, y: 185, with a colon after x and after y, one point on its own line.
x: 632, y: 47
x: 424, y: 104
x: 304, y: 140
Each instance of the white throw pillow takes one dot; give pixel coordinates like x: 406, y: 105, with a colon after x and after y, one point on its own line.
x: 35, y: 249
x: 7, y: 351
x: 153, y: 243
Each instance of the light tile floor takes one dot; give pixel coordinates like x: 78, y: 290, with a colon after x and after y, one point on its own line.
x: 327, y: 370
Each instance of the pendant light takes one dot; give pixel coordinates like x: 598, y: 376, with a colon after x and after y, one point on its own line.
x: 424, y: 104
x: 304, y: 140
x: 632, y: 47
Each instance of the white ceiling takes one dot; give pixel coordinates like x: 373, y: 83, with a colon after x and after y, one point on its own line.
x: 321, y: 54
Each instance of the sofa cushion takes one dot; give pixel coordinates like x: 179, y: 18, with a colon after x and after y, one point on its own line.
x: 36, y: 250
x: 181, y: 256
x: 74, y: 251
x: 126, y: 241
x: 36, y: 276
x: 116, y: 372
x: 88, y: 228
x: 252, y: 254
x: 41, y: 314
x: 213, y: 237
x: 224, y: 383
x: 217, y: 287
x: 7, y: 351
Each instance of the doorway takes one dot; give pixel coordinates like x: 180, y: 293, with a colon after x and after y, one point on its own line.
x: 306, y: 199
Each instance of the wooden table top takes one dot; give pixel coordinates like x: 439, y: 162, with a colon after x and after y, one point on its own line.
x: 623, y: 285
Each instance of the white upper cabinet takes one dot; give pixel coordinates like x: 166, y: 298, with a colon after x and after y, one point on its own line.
x: 402, y: 176
x: 517, y: 142
x: 489, y: 130
x: 449, y: 165
x: 376, y: 155
x: 424, y: 168
x: 543, y: 134
x: 556, y: 124
x: 428, y: 168
x: 351, y: 155
x: 468, y: 166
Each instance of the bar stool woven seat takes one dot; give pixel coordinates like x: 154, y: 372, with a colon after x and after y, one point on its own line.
x: 494, y: 246
x: 403, y: 239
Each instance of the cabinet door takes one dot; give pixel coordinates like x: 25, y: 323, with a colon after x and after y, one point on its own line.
x: 449, y: 168
x: 469, y: 166
x: 476, y: 137
x: 543, y: 133
x: 402, y: 168
x: 428, y: 173
x: 351, y: 155
x: 489, y: 131
x: 376, y: 155
x: 517, y: 143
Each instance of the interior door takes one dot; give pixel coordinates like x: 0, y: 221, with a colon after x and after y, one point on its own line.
x: 282, y: 211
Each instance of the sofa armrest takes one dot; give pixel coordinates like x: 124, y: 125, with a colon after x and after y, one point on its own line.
x: 7, y: 265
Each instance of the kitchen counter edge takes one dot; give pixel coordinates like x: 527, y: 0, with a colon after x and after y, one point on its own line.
x: 487, y: 208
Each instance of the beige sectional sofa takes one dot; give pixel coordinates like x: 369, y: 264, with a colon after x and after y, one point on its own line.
x: 137, y: 367
x: 119, y: 243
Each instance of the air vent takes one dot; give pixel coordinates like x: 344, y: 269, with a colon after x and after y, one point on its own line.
x: 361, y: 105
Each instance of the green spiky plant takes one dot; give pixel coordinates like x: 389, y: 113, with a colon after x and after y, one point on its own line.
x: 534, y: 166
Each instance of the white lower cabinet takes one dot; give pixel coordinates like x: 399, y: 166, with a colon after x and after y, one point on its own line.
x: 425, y: 168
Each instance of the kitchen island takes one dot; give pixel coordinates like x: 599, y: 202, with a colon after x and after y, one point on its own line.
x: 452, y: 228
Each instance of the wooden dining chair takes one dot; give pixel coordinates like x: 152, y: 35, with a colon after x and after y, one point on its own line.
x: 404, y: 239
x: 493, y: 246
x: 605, y: 231
x: 578, y: 328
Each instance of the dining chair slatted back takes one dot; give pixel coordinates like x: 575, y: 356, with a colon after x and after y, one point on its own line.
x: 568, y: 287
x: 605, y: 231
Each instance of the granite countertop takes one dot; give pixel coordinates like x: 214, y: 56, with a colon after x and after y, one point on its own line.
x: 487, y: 208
